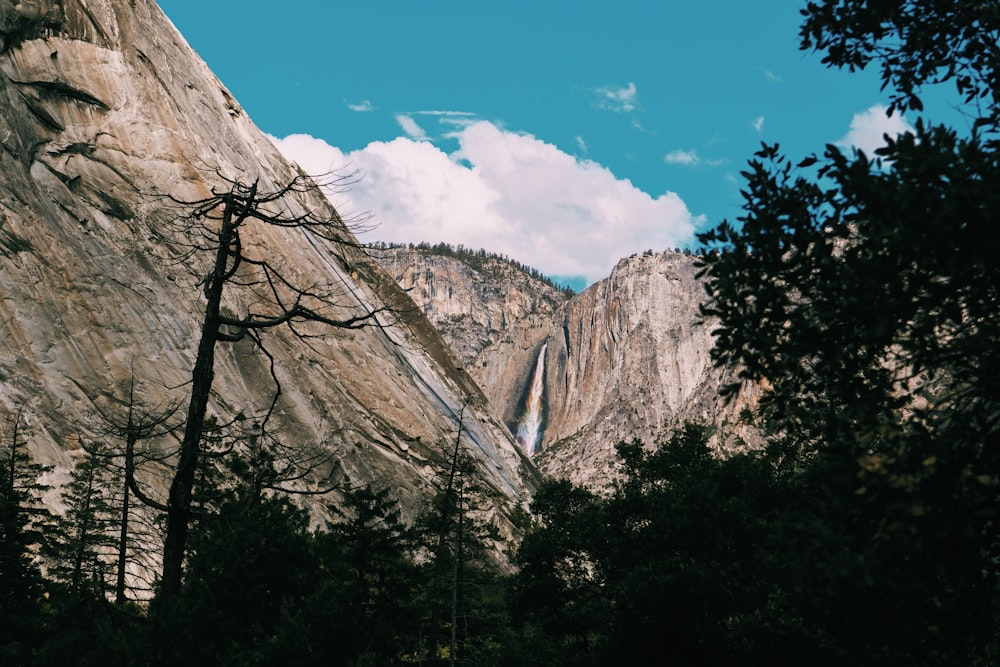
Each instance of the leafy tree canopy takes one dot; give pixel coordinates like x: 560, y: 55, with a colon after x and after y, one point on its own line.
x: 864, y: 293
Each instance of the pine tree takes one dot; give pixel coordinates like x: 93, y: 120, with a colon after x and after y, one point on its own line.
x: 81, y: 559
x: 131, y: 424
x: 370, y: 585
x: 461, y: 577
x: 219, y: 227
x: 22, y: 522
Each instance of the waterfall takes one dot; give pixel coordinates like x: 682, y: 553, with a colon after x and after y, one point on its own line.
x: 529, y: 429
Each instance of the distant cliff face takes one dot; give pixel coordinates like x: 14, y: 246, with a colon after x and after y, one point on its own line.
x: 628, y: 357
x: 495, y: 317
x: 107, y: 117
x: 634, y: 360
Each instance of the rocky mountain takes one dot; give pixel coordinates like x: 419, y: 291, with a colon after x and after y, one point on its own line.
x: 628, y: 357
x: 493, y: 315
x: 108, y: 120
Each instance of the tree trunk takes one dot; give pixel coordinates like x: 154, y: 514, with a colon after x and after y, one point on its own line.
x: 84, y: 532
x: 123, y: 532
x: 179, y: 514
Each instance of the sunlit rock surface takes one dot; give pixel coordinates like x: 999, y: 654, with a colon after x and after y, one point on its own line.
x: 628, y: 357
x: 495, y: 317
x: 633, y: 361
x: 105, y: 114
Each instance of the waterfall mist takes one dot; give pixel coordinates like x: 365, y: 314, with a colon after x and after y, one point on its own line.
x: 529, y: 429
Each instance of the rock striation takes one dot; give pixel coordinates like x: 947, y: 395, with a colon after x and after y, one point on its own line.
x: 628, y: 357
x: 107, y: 118
x: 634, y: 361
x: 494, y: 316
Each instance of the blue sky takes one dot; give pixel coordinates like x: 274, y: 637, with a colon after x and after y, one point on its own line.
x: 563, y: 134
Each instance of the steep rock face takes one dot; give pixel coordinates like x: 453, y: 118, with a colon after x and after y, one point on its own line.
x: 633, y: 360
x: 495, y: 317
x: 628, y: 357
x: 107, y: 117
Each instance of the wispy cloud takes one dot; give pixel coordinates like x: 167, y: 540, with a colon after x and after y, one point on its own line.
x: 868, y: 129
x: 581, y: 144
x: 769, y: 75
x: 682, y: 157
x: 362, y: 106
x: 617, y: 98
x: 507, y: 192
x: 692, y: 158
x: 453, y: 122
x: 440, y: 112
x: 410, y: 126
x: 758, y: 123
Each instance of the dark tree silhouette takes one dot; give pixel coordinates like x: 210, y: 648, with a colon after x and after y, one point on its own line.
x: 460, y: 573
x: 863, y: 291
x: 23, y: 524
x: 220, y: 225
x: 79, y: 555
x: 140, y: 422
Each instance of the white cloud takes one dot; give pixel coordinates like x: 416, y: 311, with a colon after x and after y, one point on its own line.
x: 509, y: 193
x: 410, y: 126
x: 758, y: 123
x: 440, y: 112
x: 618, y: 98
x: 682, y: 157
x: 454, y: 121
x: 869, y: 127
x: 362, y: 106
x: 581, y: 144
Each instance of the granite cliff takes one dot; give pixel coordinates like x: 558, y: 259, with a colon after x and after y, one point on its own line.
x: 633, y: 361
x: 106, y: 118
x: 627, y: 357
x: 493, y: 315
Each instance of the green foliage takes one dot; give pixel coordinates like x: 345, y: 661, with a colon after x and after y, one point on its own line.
x: 251, y: 566
x: 677, y: 565
x: 915, y: 43
x: 23, y: 524
x: 558, y: 593
x: 479, y: 260
x: 372, y: 584
x: 82, y: 557
x: 85, y: 630
x: 748, y: 560
x: 864, y: 293
x: 463, y: 612
x: 262, y: 588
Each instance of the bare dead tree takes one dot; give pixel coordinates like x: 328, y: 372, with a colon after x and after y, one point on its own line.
x: 140, y: 422
x: 263, y: 464
x: 220, y: 225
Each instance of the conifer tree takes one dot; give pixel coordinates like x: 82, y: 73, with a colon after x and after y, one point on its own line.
x: 371, y: 586
x: 461, y: 577
x: 82, y: 557
x: 138, y: 423
x: 22, y: 527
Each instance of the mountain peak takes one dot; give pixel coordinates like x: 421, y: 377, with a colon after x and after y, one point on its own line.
x: 108, y: 122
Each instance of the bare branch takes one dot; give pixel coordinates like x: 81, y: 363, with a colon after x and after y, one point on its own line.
x: 214, y: 225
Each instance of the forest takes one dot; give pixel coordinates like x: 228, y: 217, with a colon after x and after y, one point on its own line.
x: 478, y: 260
x: 862, y: 291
